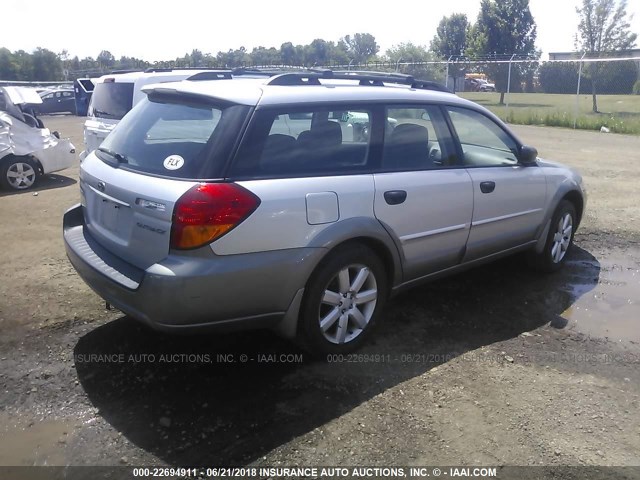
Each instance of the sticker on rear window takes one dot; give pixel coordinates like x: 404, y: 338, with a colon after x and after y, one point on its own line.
x: 173, y: 162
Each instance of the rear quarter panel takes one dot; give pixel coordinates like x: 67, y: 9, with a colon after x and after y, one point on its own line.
x: 282, y: 219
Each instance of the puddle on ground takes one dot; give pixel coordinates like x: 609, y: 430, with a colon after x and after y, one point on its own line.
x: 39, y: 443
x: 612, y: 307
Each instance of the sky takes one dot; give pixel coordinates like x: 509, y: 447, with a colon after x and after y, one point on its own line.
x: 164, y: 29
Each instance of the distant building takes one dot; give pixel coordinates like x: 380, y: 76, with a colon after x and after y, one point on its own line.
x: 634, y: 53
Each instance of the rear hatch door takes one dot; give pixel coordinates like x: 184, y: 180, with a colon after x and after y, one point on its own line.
x: 161, y: 149
x: 110, y: 101
x: 129, y: 213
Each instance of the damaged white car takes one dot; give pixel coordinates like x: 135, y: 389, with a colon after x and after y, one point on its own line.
x: 27, y: 149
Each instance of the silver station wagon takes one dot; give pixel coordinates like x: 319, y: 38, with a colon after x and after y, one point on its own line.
x: 301, y: 201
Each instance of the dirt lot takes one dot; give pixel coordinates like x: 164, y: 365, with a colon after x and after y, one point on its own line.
x: 499, y: 366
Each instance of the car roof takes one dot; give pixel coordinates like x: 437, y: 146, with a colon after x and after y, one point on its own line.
x: 128, y: 77
x: 341, y: 92
x: 132, y: 77
x: 244, y: 91
x: 258, y: 92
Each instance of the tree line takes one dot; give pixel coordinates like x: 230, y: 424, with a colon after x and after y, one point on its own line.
x: 45, y: 65
x: 503, y: 29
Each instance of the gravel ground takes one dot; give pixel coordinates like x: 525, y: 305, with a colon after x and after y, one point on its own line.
x: 498, y: 366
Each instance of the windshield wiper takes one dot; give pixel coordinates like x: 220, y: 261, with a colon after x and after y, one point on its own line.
x: 118, y: 156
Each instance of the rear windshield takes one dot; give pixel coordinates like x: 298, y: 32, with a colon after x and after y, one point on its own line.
x: 111, y: 100
x: 86, y: 84
x: 176, y: 140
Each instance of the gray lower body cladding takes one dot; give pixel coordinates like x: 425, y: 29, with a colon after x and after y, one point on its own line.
x: 191, y: 291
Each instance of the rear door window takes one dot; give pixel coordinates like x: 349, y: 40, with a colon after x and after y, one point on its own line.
x: 174, y: 139
x: 417, y: 138
x: 306, y: 142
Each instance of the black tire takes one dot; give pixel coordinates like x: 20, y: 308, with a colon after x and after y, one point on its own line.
x: 18, y: 165
x: 346, y: 317
x: 549, y: 260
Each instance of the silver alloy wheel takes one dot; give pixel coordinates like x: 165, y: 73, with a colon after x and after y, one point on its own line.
x: 348, y: 303
x: 562, y: 238
x: 21, y: 175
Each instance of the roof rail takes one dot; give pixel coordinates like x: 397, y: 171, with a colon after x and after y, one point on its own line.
x: 430, y: 85
x: 296, y: 79
x: 373, y: 72
x: 254, y: 71
x: 377, y: 79
x: 211, y: 75
x: 322, y: 71
x: 271, y: 71
x: 171, y: 69
x: 226, y: 74
x: 118, y: 72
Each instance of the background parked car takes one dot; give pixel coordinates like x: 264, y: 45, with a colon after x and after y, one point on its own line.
x: 116, y: 93
x: 483, y: 85
x: 56, y: 101
x: 28, y: 149
x: 83, y: 88
x: 478, y: 85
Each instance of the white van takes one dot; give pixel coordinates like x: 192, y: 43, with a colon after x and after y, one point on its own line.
x: 117, y: 93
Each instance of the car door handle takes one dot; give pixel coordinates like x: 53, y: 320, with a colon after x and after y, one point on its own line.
x: 487, y: 187
x: 395, y: 197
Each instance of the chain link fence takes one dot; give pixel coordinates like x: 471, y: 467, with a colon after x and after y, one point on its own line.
x: 585, y: 93
x: 597, y: 94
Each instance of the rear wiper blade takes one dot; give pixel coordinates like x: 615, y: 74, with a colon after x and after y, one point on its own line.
x: 104, y: 114
x: 118, y: 156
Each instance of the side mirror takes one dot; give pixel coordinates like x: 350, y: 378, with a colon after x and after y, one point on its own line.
x: 528, y: 155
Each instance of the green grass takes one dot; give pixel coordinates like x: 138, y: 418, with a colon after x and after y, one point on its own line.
x: 619, y: 113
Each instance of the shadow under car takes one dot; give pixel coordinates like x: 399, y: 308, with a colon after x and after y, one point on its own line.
x: 229, y: 399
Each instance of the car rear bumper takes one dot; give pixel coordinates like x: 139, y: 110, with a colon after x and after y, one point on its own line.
x: 191, y: 291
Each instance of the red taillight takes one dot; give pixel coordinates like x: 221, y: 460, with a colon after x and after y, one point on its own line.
x: 208, y: 211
